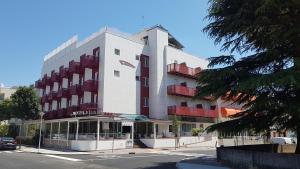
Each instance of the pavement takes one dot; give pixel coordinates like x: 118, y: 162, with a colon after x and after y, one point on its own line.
x: 183, y: 158
x: 203, y: 162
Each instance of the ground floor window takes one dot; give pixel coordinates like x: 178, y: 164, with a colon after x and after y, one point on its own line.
x: 186, y: 129
x: 72, y: 130
x: 47, y: 130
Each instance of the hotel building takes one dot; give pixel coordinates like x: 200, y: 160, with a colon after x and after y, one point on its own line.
x: 113, y: 90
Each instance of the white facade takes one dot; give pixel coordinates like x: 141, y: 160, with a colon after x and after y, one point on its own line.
x: 133, y: 78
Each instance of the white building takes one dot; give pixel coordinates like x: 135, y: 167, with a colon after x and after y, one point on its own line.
x: 113, y: 88
x: 6, y: 92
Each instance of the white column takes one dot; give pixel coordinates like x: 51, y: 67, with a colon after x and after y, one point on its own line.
x: 68, y: 133
x: 77, y: 128
x: 98, y: 130
x: 154, y: 130
x: 50, y: 132
x: 58, y: 133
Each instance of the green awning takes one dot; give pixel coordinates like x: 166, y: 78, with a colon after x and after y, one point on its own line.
x: 134, y: 117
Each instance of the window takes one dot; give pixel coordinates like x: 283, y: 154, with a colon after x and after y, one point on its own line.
x: 116, y: 73
x: 146, y: 81
x: 137, y: 57
x: 183, y: 84
x: 199, y: 106
x: 146, y: 62
x: 170, y: 128
x: 146, y: 102
x: 184, y: 104
x: 137, y: 78
x: 145, y: 39
x: 117, y: 52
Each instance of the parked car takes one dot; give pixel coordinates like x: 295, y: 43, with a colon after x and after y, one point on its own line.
x: 282, y: 140
x: 8, y: 143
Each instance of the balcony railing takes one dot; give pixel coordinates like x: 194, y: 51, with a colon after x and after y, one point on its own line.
x: 74, y: 67
x: 44, y: 99
x: 71, y: 109
x: 179, y: 90
x: 90, y: 85
x: 76, y: 89
x: 52, y: 95
x: 61, y: 112
x: 46, y: 80
x: 189, y: 111
x: 54, y: 77
x: 63, y: 72
x: 88, y: 61
x: 52, y: 114
x: 38, y: 84
x: 88, y: 106
x: 63, y: 92
x: 183, y: 70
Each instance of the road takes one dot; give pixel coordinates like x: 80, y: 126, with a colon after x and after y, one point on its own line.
x: 159, y: 160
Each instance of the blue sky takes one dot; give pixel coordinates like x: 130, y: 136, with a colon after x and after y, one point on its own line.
x: 32, y: 28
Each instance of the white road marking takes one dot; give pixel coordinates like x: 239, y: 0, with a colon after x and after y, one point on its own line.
x: 63, y: 158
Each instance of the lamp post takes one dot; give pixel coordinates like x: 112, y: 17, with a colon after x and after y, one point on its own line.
x: 40, y: 136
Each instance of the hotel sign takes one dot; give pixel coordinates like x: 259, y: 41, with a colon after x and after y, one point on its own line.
x: 92, y: 113
x: 123, y: 62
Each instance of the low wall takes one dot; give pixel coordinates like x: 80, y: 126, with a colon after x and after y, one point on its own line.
x: 193, y: 141
x: 262, y: 159
x: 91, y: 145
x: 159, y: 143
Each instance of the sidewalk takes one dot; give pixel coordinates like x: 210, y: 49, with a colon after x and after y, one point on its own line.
x: 200, y: 163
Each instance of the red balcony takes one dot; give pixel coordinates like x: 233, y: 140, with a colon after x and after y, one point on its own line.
x: 46, y: 80
x: 88, y: 61
x: 74, y: 67
x: 71, y: 109
x: 44, y: 99
x: 76, y: 90
x: 52, y: 95
x: 179, y: 90
x: 61, y: 112
x: 90, y: 85
x: 183, y: 70
x: 54, y: 77
x: 97, y: 63
x: 88, y: 106
x: 189, y: 111
x: 38, y: 84
x: 51, y: 114
x: 63, y: 92
x: 63, y: 72
x: 213, y: 113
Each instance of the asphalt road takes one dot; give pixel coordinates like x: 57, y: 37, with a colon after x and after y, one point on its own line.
x: 163, y: 160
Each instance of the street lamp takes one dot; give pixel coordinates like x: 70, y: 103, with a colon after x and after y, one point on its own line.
x: 40, y: 136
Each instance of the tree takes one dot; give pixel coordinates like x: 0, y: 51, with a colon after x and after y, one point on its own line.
x: 175, y: 129
x: 5, y: 109
x: 3, y: 129
x: 265, y: 81
x: 25, y: 103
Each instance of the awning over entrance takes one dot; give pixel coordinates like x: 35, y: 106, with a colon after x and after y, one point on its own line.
x: 134, y: 117
x: 229, y: 111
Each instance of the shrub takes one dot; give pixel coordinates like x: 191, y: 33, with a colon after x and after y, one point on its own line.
x: 197, y: 131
